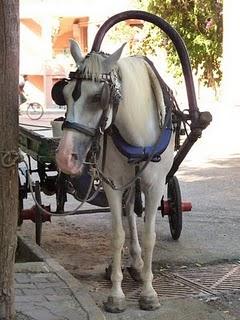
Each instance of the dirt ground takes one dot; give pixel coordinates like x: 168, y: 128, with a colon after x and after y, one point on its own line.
x: 81, y: 249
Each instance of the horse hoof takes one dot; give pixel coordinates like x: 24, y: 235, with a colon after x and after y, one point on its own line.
x: 135, y: 274
x: 149, y: 303
x: 115, y: 305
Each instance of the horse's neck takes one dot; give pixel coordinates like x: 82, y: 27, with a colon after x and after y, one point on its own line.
x: 137, y: 118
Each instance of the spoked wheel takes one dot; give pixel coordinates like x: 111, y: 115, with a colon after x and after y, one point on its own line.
x: 175, y: 199
x: 35, y: 111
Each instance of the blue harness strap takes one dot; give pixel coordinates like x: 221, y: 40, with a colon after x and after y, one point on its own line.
x: 137, y: 154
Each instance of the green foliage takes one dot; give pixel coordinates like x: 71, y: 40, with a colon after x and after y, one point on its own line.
x: 201, y: 27
x: 123, y: 32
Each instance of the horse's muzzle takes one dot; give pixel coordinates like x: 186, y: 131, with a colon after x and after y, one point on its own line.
x: 69, y: 163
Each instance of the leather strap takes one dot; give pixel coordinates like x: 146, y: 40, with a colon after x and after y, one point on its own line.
x: 80, y: 128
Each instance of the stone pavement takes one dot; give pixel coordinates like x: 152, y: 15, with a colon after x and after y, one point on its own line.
x: 46, y: 291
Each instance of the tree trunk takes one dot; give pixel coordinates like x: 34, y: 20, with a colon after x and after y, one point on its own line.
x: 9, y: 77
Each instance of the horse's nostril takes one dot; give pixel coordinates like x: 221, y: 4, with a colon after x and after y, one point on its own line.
x: 74, y: 156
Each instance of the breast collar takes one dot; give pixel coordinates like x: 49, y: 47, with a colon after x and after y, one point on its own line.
x: 138, y: 154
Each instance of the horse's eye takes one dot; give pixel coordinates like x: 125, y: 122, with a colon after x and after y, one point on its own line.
x: 96, y: 98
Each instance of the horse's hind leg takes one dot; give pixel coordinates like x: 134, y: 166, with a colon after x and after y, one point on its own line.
x: 149, y: 299
x: 116, y: 300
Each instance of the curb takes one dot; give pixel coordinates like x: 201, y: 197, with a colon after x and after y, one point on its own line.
x: 44, y: 263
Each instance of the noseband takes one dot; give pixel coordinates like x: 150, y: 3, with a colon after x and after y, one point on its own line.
x: 80, y: 128
x: 111, y: 96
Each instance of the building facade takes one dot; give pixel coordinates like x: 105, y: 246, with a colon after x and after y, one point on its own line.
x: 45, y: 29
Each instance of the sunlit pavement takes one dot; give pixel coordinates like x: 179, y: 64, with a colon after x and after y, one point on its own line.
x: 220, y: 140
x: 45, y: 120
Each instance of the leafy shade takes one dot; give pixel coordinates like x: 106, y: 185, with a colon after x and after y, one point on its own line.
x: 201, y: 27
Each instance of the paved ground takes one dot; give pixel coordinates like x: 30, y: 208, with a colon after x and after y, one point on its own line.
x: 46, y: 291
x: 209, y: 178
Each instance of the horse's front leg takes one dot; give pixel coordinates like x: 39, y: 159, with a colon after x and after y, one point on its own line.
x: 149, y: 299
x: 116, y: 300
x: 136, y: 266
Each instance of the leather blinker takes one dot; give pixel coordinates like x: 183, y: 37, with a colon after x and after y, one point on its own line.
x: 57, y: 92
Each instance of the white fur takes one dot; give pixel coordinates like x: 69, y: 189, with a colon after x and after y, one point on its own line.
x: 138, y: 113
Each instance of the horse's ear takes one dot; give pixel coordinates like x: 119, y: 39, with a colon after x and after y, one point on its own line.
x: 76, y: 51
x: 113, y: 58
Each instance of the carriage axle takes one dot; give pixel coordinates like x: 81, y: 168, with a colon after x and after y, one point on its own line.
x: 167, y: 208
x: 31, y: 214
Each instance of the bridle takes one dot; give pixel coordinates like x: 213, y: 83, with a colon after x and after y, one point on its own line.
x: 110, y: 98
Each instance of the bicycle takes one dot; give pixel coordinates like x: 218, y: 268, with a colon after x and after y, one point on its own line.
x: 34, y: 110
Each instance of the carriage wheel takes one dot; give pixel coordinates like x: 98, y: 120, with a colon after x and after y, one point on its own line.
x: 175, y: 217
x: 38, y: 223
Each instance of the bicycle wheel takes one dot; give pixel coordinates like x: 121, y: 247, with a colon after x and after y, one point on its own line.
x: 35, y: 110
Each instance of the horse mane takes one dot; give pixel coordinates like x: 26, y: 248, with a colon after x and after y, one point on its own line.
x: 141, y: 91
x: 93, y: 65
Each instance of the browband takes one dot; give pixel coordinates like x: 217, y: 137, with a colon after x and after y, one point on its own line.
x: 102, y: 77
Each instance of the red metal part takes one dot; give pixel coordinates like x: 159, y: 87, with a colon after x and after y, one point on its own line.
x: 30, y: 214
x: 167, y: 209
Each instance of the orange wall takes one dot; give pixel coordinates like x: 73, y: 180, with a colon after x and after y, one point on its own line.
x: 33, y: 26
x: 62, y: 42
x: 36, y: 81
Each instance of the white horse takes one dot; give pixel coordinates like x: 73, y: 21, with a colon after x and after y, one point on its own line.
x: 100, y: 83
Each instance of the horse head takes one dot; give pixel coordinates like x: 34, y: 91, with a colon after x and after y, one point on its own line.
x: 90, y: 93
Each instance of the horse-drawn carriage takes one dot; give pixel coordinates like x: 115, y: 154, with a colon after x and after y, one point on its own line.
x: 121, y: 131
